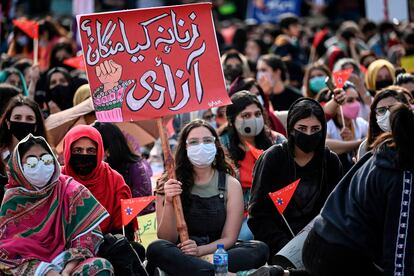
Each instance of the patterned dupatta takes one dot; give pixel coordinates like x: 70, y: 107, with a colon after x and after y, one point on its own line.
x: 41, y: 224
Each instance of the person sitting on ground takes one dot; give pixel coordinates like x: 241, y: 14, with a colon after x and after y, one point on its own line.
x: 305, y: 157
x: 50, y: 222
x: 213, y: 209
x: 365, y: 221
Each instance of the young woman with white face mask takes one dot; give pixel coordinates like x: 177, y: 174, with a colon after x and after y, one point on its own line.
x: 379, y: 117
x: 247, y: 127
x: 212, y: 205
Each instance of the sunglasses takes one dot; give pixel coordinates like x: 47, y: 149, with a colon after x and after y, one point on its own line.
x: 32, y: 161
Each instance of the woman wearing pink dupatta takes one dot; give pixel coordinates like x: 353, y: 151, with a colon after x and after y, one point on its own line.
x: 49, y: 223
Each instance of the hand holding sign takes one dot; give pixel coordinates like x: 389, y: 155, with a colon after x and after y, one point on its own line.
x: 109, y: 73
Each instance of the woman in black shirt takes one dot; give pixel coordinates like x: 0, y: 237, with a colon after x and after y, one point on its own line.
x: 304, y: 157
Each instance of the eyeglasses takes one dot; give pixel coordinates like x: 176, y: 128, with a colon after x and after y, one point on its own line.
x: 382, y: 110
x: 205, y: 140
x: 33, y: 160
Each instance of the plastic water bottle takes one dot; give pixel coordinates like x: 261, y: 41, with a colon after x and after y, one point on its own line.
x: 220, y: 261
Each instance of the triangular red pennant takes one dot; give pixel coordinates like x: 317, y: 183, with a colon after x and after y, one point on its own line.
x: 29, y: 27
x: 76, y: 62
x: 255, y: 152
x: 130, y: 208
x: 282, y: 197
x: 341, y: 77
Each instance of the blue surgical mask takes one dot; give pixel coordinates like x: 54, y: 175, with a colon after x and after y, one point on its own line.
x: 316, y: 84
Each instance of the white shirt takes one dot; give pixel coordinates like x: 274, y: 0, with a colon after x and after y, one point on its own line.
x: 360, y: 127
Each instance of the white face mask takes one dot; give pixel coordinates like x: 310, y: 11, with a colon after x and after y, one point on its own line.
x: 38, y: 175
x: 384, y: 121
x: 249, y: 127
x: 202, y: 155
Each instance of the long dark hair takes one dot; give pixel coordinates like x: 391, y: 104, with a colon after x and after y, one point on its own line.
x: 374, y: 130
x: 5, y: 134
x: 401, y: 136
x: 115, y: 142
x: 241, y: 100
x: 184, y: 169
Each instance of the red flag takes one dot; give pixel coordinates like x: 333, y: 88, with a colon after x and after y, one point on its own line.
x: 341, y: 77
x: 76, y: 62
x: 319, y: 37
x: 282, y: 197
x: 130, y: 208
x: 256, y: 152
x: 29, y: 27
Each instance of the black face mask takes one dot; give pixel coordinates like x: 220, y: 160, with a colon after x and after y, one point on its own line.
x: 307, y: 143
x: 21, y: 130
x: 83, y: 164
x: 232, y: 72
x: 382, y: 84
x: 62, y: 96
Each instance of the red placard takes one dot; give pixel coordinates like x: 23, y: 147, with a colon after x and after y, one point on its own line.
x: 148, y: 63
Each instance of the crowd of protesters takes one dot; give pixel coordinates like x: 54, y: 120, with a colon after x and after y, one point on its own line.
x: 351, y: 147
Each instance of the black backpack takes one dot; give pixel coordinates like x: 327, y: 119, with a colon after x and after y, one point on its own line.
x: 120, y: 253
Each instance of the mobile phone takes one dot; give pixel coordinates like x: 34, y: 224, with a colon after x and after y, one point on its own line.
x: 329, y: 84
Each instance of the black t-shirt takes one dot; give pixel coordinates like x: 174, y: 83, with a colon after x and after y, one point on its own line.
x: 285, y: 99
x: 306, y: 194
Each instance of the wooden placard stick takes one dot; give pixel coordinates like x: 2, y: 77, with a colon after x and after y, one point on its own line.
x: 169, y: 165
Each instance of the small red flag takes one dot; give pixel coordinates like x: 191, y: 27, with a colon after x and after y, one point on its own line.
x: 319, y: 37
x: 76, y: 62
x: 282, y: 197
x: 256, y: 152
x: 341, y: 77
x: 29, y: 27
x: 131, y: 207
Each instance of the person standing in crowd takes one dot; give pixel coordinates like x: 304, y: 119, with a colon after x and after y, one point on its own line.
x: 271, y: 76
x: 365, y: 226
x: 213, y: 209
x: 380, y: 74
x: 305, y: 157
x: 379, y: 119
x: 247, y: 132
x: 347, y: 126
x: 50, y: 223
x: 120, y: 157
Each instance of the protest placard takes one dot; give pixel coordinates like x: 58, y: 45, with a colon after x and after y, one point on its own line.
x: 149, y: 63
